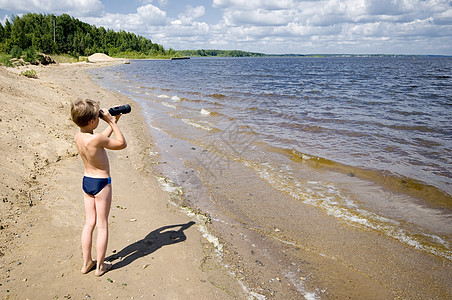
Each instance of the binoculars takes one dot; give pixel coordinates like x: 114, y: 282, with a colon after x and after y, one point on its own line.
x: 116, y: 110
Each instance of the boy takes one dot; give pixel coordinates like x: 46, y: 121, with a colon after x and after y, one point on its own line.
x: 96, y: 181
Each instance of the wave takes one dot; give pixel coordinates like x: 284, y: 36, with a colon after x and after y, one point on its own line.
x: 176, y: 98
x: 169, y: 105
x: 335, y: 203
x: 338, y: 203
x: 217, y: 96
x: 197, y: 125
x: 392, y: 182
x: 205, y: 112
x: 209, y: 112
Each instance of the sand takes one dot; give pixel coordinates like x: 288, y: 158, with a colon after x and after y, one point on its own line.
x: 101, y: 57
x: 157, y: 250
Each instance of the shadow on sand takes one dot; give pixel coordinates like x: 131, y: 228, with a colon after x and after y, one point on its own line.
x: 155, y: 240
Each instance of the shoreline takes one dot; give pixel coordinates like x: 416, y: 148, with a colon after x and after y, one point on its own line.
x: 156, y: 250
x: 284, y: 245
x: 304, y: 253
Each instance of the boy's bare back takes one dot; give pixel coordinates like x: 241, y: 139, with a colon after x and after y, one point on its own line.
x: 91, y: 146
x: 94, y: 157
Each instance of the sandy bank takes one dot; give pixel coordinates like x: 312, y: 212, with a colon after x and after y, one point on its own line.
x: 101, y: 57
x: 156, y: 249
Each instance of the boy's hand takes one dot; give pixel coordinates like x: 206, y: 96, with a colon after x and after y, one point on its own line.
x: 106, y: 116
x: 119, y: 141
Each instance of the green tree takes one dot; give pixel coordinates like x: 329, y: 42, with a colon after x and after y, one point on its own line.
x: 18, y: 36
x: 65, y: 34
x: 6, y: 46
x: 2, y: 33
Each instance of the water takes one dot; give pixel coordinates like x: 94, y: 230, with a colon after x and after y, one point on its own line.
x: 365, y: 140
x: 386, y: 114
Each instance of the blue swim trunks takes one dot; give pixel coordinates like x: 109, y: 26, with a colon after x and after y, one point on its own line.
x: 92, y: 186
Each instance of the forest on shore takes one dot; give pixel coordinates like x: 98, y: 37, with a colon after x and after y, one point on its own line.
x: 33, y: 33
x: 29, y: 36
x: 219, y: 53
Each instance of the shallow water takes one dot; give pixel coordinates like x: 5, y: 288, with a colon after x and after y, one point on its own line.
x: 269, y: 143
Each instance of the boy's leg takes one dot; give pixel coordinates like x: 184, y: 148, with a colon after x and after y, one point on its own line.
x: 87, y: 233
x: 103, y: 204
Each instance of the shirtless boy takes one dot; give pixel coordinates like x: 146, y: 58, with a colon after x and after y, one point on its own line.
x: 96, y: 181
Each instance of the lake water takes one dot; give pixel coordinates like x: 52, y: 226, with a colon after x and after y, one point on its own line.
x: 367, y: 141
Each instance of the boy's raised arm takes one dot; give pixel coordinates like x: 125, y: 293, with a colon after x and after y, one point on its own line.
x: 117, y: 143
x: 108, y: 131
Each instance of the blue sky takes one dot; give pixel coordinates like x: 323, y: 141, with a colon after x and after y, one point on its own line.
x: 269, y: 26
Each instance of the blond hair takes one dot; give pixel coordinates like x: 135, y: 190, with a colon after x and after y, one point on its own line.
x: 83, y: 111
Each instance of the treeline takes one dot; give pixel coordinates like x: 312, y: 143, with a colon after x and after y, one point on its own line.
x: 220, y: 53
x: 67, y: 35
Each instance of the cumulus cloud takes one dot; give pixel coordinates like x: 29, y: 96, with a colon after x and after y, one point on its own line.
x: 190, y: 14
x: 146, y: 16
x: 359, y: 25
x: 150, y: 15
x: 257, y: 17
x: 283, y: 26
x: 151, y: 21
x: 326, y: 26
x: 73, y: 7
x: 254, y: 4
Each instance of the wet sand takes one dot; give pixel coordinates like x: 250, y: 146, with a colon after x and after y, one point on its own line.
x: 287, y: 248
x: 157, y: 250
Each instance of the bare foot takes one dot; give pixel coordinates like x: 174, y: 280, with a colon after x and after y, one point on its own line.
x: 103, y: 269
x: 88, y: 268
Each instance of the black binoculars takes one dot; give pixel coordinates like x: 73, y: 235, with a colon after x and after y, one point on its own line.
x: 116, y: 110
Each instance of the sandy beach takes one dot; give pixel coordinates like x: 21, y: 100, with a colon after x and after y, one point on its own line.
x: 157, y: 250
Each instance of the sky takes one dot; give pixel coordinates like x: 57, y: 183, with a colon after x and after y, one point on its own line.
x: 268, y: 26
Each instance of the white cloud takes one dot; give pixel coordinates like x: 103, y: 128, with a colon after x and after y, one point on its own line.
x: 75, y: 8
x: 150, y: 15
x: 154, y: 23
x: 282, y: 26
x: 190, y: 14
x: 443, y: 18
x: 254, y: 4
x: 362, y: 26
x: 145, y: 17
x: 388, y: 7
x: 257, y: 17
